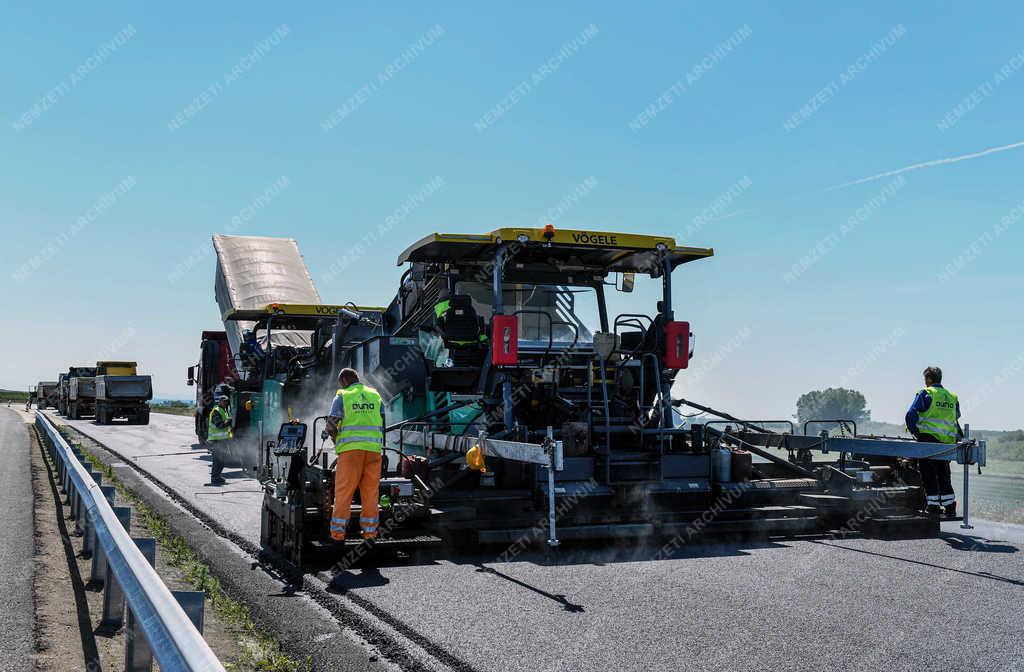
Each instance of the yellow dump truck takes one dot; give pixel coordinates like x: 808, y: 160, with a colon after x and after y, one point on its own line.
x: 122, y: 393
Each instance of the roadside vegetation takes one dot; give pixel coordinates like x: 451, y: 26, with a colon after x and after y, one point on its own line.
x: 173, y: 407
x: 13, y: 395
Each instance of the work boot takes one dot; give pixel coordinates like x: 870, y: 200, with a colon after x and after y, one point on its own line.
x: 951, y: 510
x: 933, y: 510
x: 217, y: 481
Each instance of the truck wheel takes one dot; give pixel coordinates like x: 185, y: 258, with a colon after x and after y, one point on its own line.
x: 144, y: 417
x: 73, y: 411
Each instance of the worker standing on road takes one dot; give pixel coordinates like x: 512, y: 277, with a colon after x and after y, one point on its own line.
x: 218, y: 433
x: 356, y: 424
x: 934, y: 418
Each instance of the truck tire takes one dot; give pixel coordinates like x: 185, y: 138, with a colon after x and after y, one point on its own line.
x: 202, y: 429
x: 100, y: 416
x: 144, y: 417
x: 73, y: 410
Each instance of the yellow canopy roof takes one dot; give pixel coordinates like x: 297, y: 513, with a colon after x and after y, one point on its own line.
x: 597, y: 250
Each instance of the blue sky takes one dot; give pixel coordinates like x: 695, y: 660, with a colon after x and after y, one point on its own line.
x: 871, y: 299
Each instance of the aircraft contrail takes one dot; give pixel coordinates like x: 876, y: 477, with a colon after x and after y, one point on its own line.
x: 928, y: 164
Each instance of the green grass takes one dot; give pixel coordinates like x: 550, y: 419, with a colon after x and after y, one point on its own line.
x: 13, y: 395
x: 258, y: 651
x: 173, y: 408
x: 1001, y: 449
x: 1003, y: 467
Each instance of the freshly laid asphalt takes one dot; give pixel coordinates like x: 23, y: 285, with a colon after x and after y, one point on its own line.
x: 955, y: 602
x: 17, y: 544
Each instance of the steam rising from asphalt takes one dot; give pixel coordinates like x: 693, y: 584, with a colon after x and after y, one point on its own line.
x: 315, y: 401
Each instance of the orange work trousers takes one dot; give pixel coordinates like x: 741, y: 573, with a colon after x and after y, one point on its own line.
x: 356, y: 469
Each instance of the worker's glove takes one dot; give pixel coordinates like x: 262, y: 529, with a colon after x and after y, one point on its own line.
x: 324, y: 435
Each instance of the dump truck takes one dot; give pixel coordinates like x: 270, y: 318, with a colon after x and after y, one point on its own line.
x: 62, y: 393
x: 281, y: 382
x: 521, y: 409
x: 276, y: 354
x: 214, y: 368
x: 122, y: 393
x: 78, y: 392
x: 46, y: 394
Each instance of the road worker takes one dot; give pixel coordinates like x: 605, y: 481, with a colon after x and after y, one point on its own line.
x: 356, y: 424
x: 934, y: 417
x: 219, y: 433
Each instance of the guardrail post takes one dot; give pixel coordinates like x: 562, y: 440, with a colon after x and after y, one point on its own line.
x: 65, y: 476
x: 100, y: 571
x: 58, y: 461
x: 88, y: 539
x: 114, y: 595
x: 109, y: 492
x: 89, y: 533
x: 72, y: 502
x: 77, y: 510
x: 138, y: 656
x: 193, y: 603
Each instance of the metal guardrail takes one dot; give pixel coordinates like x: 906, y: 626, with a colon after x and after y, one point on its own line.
x: 161, y: 623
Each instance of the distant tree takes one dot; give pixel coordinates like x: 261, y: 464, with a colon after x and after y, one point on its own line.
x: 835, y: 403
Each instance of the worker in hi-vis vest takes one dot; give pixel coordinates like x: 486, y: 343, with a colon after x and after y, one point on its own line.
x: 218, y: 432
x: 356, y: 424
x: 934, y: 417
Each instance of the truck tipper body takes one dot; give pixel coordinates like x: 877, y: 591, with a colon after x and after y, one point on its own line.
x: 46, y: 394
x: 122, y: 393
x: 62, y: 393
x: 80, y: 392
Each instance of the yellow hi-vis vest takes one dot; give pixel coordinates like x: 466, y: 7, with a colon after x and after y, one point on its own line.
x: 940, y: 418
x: 361, y: 428
x: 215, y: 433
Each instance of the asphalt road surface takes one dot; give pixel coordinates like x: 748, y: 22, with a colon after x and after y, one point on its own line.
x: 951, y: 603
x: 17, y: 544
